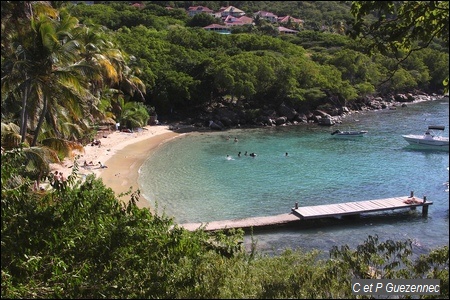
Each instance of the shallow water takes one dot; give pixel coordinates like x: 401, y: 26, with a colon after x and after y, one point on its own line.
x: 191, y: 179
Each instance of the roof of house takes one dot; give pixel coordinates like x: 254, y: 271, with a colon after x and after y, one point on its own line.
x: 286, y: 19
x: 265, y: 14
x: 138, y: 5
x: 231, y: 9
x: 200, y: 9
x: 212, y: 26
x: 230, y: 20
x: 286, y: 30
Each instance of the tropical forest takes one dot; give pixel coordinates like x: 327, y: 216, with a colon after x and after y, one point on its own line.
x: 70, y: 68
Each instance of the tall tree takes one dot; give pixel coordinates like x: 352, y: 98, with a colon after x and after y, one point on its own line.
x: 41, y: 68
x: 401, y: 27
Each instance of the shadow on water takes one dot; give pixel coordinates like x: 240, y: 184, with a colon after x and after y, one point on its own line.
x: 427, y: 149
x: 346, y: 222
x: 328, y: 227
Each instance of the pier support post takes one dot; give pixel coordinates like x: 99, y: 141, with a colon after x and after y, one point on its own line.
x: 424, y: 207
x: 425, y: 210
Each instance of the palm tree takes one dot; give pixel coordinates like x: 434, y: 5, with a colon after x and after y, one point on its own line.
x: 100, y: 54
x: 118, y: 78
x: 59, y: 69
x: 16, y: 37
x: 133, y: 114
x: 41, y: 74
x: 36, y: 159
x: 39, y: 64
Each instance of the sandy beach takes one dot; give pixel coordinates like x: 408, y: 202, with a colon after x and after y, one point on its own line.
x: 123, y: 154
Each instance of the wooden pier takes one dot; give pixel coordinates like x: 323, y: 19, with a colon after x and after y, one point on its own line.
x: 316, y: 212
x: 356, y: 208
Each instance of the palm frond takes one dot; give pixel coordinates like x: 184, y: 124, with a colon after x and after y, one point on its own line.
x: 38, y: 160
x: 11, y: 137
x: 63, y: 148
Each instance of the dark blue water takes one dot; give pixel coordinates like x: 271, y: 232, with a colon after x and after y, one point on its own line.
x: 191, y: 179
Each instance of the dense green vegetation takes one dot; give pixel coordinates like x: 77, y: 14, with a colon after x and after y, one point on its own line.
x: 402, y: 27
x: 187, y: 68
x: 64, y: 75
x: 80, y: 241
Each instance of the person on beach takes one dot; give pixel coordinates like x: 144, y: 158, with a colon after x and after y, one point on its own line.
x: 61, y: 177
x: 96, y: 143
x: 56, y: 176
x: 102, y: 166
x: 56, y: 183
x: 90, y: 164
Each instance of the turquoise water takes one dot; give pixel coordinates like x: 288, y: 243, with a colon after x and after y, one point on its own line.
x: 191, y: 179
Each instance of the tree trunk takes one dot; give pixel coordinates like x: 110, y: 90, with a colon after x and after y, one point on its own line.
x: 23, y: 118
x: 41, y: 121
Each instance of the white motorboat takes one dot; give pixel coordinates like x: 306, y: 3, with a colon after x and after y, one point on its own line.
x: 348, y: 133
x: 430, y: 139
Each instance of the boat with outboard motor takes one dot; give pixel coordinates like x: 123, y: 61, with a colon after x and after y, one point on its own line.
x: 348, y: 133
x: 430, y: 139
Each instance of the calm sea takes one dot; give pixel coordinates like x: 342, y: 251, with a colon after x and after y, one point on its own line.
x: 191, y: 179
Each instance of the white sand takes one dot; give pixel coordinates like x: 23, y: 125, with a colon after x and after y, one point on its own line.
x: 122, y: 166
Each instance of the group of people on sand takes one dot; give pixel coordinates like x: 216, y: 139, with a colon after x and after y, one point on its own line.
x: 91, y: 164
x: 96, y: 143
x: 58, y: 181
x: 86, y: 164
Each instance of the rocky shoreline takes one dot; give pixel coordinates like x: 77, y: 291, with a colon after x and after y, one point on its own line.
x: 228, y: 115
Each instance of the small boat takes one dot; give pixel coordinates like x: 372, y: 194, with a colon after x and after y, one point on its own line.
x: 349, y: 133
x: 430, y: 139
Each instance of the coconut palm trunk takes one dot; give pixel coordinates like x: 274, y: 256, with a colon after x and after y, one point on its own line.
x: 40, y: 122
x: 23, y: 113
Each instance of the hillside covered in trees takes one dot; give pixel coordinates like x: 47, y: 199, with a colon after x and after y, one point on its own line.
x: 186, y: 68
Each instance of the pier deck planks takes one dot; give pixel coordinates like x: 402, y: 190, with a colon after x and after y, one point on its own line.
x: 354, y: 208
x: 312, y: 212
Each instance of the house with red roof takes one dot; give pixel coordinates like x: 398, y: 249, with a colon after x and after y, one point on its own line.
x: 268, y: 16
x: 195, y: 10
x: 232, y: 21
x: 231, y: 11
x: 138, y: 5
x: 287, y: 19
x: 284, y: 30
x: 218, y: 28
